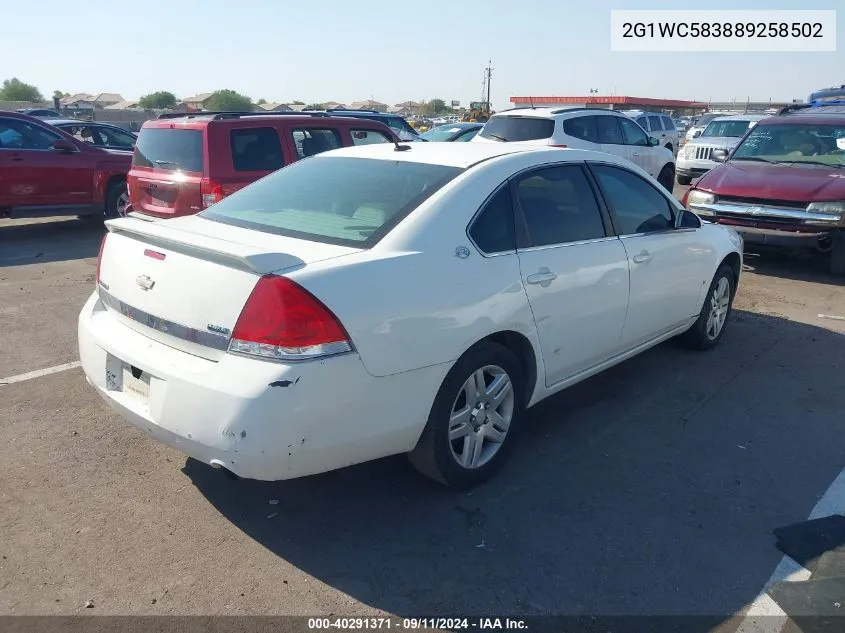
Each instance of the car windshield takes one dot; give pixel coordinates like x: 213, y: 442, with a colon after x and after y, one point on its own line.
x: 517, y: 128
x: 441, y: 133
x: 726, y: 128
x: 336, y: 200
x: 705, y: 119
x: 794, y: 143
x: 401, y: 128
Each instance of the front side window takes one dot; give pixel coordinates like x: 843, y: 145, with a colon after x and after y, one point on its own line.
x: 493, y: 229
x: 637, y: 206
x: 794, y: 143
x: 668, y: 123
x: 116, y: 138
x: 256, y: 149
x: 517, y: 128
x: 17, y: 134
x: 333, y: 199
x: 312, y: 141
x: 654, y: 124
x: 559, y: 206
x: 633, y: 133
x: 467, y: 136
x: 643, y: 122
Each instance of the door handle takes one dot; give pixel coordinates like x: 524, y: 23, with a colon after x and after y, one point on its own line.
x: 544, y: 276
x: 16, y: 158
x: 642, y: 258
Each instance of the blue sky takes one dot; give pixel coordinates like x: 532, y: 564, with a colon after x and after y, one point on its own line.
x: 391, y: 51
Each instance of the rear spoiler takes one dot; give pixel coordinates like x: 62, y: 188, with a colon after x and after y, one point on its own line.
x: 231, y: 254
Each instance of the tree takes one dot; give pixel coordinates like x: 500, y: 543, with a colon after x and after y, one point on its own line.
x: 435, y: 106
x: 297, y: 102
x: 58, y: 94
x: 261, y: 101
x: 161, y: 100
x: 228, y: 101
x: 15, y: 90
x: 314, y: 106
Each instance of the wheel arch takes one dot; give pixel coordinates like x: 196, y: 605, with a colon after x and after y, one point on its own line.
x: 734, y: 261
x: 523, y: 349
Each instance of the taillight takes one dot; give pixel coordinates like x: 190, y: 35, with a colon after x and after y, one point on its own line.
x: 684, y: 199
x: 283, y: 321
x: 211, y: 192
x: 551, y: 145
x: 100, y: 257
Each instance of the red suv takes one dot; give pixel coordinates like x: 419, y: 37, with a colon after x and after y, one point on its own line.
x: 44, y: 170
x: 784, y: 183
x: 184, y: 163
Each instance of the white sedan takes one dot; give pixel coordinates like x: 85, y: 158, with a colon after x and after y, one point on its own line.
x: 380, y: 300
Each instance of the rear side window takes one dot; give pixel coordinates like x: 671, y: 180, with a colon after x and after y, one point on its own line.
x: 517, y: 128
x: 368, y: 137
x: 311, y: 141
x: 256, y: 149
x: 654, y: 123
x: 493, y: 229
x: 169, y: 149
x: 582, y: 127
x: 559, y: 206
x: 608, y: 130
x: 365, y: 200
x: 643, y: 122
x: 668, y: 123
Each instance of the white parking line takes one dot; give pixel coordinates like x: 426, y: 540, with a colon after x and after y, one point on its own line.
x: 764, y: 615
x: 39, y: 372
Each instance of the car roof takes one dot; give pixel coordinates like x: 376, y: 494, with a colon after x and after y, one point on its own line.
x: 461, y: 155
x: 550, y: 113
x: 202, y: 118
x: 741, y: 117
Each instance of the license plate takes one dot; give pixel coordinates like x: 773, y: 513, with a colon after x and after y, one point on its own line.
x: 138, y: 388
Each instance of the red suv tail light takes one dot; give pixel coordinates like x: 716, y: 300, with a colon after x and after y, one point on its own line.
x: 211, y: 192
x: 100, y: 257
x: 283, y: 321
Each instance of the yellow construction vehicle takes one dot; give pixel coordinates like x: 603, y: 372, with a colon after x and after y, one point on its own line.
x: 478, y: 113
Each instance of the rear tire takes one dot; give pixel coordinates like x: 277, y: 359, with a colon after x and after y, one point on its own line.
x: 837, y: 253
x: 667, y: 177
x: 471, y: 426
x: 684, y: 180
x: 713, y: 319
x: 117, y: 199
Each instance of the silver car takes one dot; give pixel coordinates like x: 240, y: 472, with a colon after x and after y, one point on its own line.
x: 722, y: 133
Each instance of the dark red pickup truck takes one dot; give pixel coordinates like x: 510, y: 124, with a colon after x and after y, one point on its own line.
x: 784, y: 183
x: 45, y: 171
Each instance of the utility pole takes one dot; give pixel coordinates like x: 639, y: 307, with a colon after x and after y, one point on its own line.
x: 489, y: 71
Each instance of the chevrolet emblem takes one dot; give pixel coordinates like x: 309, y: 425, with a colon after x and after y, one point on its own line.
x: 144, y: 282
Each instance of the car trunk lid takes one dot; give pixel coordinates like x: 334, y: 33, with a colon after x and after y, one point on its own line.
x: 184, y: 284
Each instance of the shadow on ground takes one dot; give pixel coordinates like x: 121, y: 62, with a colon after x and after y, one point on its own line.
x: 650, y: 489
x: 45, y: 242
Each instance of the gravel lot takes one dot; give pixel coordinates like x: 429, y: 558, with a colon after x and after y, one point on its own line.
x: 650, y: 489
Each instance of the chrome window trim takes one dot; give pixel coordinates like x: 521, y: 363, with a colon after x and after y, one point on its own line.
x: 546, y: 247
x: 165, y: 326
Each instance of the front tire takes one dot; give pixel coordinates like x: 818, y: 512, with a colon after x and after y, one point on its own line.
x: 837, y: 253
x: 684, y: 180
x: 471, y: 427
x: 708, y: 329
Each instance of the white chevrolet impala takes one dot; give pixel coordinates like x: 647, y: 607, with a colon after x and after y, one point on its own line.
x: 380, y: 300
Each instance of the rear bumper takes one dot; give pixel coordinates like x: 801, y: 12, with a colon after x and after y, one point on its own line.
x: 318, y: 416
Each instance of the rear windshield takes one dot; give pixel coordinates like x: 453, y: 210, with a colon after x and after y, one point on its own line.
x: 336, y: 200
x: 517, y: 128
x: 169, y: 149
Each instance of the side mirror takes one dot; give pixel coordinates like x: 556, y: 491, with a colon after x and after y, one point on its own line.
x: 696, y: 134
x: 688, y: 220
x: 719, y: 155
x: 653, y: 142
x: 63, y: 146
